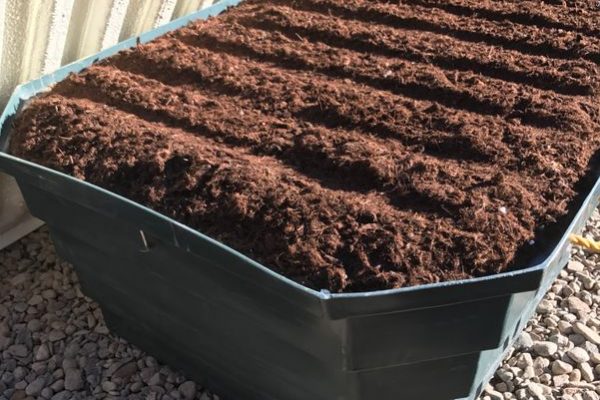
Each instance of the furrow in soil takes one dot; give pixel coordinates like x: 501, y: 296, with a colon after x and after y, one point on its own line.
x: 525, y: 12
x: 337, y: 158
x: 291, y: 223
x: 401, y: 31
x: 488, y: 37
x: 408, y: 79
x: 450, y: 134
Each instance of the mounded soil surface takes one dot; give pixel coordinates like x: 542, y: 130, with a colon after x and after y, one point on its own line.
x: 350, y: 145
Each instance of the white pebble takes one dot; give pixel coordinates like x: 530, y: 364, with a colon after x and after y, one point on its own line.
x: 578, y: 355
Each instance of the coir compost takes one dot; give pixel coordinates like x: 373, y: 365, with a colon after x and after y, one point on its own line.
x: 350, y: 145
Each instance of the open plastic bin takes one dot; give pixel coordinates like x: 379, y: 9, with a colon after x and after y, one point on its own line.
x: 246, y: 332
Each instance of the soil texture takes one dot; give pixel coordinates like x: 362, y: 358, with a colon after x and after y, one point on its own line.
x: 351, y: 145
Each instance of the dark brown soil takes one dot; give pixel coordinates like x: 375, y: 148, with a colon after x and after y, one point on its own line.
x: 350, y: 145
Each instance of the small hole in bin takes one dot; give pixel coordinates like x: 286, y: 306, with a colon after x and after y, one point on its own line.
x: 516, y: 332
x: 145, y: 244
x: 506, y: 343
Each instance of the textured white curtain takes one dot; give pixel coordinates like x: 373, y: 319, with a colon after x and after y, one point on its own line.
x: 38, y: 36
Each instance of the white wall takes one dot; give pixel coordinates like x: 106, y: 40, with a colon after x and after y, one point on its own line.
x: 38, y: 36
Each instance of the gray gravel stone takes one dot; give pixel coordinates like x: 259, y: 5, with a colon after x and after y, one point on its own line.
x: 577, y: 339
x: 18, y: 350
x: 525, y: 341
x: 20, y: 279
x: 587, y: 332
x: 504, y: 375
x: 46, y: 393
x: 108, y: 386
x: 155, y: 380
x: 73, y: 380
x: 4, y: 343
x: 126, y: 370
x: 536, y: 390
x: 590, y: 395
x: 560, y: 380
x: 545, y: 307
x: 35, y: 300
x: 56, y: 335
x: 42, y: 353
x: 575, y: 376
x: 560, y: 367
x: 587, y: 372
x: 577, y: 305
x: 21, y: 385
x: 578, y: 355
x: 63, y: 395
x: 136, y: 387
x: 58, y: 385
x: 188, y: 390
x: 545, y: 348
x: 35, y: 387
x: 34, y: 325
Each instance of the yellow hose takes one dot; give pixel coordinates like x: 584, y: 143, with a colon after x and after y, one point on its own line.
x: 587, y: 244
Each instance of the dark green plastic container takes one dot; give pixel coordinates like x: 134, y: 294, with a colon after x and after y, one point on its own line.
x: 248, y: 333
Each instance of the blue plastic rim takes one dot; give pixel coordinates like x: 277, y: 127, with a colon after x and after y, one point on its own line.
x: 352, y: 341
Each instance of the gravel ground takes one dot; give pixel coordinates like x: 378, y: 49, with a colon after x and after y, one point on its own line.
x: 557, y: 357
x: 54, y: 344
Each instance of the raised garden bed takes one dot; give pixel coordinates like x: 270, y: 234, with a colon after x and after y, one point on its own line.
x: 374, y: 149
